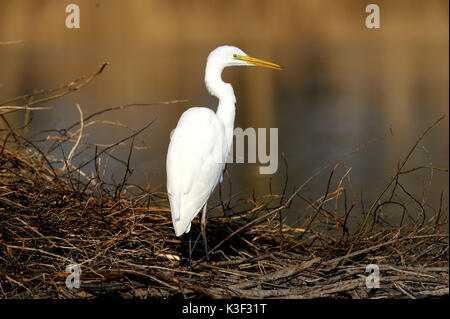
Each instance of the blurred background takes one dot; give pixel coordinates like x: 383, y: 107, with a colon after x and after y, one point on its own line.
x: 343, y: 85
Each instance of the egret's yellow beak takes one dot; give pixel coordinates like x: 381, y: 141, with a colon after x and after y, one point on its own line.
x: 257, y: 62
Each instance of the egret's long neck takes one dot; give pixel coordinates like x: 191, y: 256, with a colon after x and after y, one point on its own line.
x: 223, y: 91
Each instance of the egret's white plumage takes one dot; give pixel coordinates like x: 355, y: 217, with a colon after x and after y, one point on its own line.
x: 200, y: 143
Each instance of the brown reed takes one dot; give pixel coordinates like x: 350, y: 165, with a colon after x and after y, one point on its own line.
x: 53, y: 214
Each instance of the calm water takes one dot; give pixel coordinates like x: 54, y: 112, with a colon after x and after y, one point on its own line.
x: 343, y: 84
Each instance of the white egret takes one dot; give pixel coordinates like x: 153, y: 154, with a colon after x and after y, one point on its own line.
x: 201, y: 142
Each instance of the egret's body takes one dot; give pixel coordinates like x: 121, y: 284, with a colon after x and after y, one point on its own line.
x: 201, y: 142
x: 192, y: 169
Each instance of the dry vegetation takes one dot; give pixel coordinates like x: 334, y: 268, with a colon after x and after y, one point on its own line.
x: 53, y: 214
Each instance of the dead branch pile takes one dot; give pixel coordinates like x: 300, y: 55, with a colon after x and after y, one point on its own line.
x: 54, y: 214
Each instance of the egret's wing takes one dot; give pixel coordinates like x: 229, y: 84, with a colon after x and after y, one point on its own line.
x: 195, y: 161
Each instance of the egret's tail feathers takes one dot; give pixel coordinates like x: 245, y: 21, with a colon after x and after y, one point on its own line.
x: 186, y: 214
x: 180, y: 230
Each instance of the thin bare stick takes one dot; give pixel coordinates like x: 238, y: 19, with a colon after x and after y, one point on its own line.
x: 69, y: 157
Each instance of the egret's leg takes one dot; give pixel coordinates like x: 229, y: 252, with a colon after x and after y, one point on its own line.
x: 190, y: 248
x: 203, y: 228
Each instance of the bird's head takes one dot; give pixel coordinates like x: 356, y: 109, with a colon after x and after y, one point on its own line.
x: 228, y: 55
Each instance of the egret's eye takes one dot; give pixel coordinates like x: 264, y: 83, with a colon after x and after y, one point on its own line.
x: 237, y: 57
